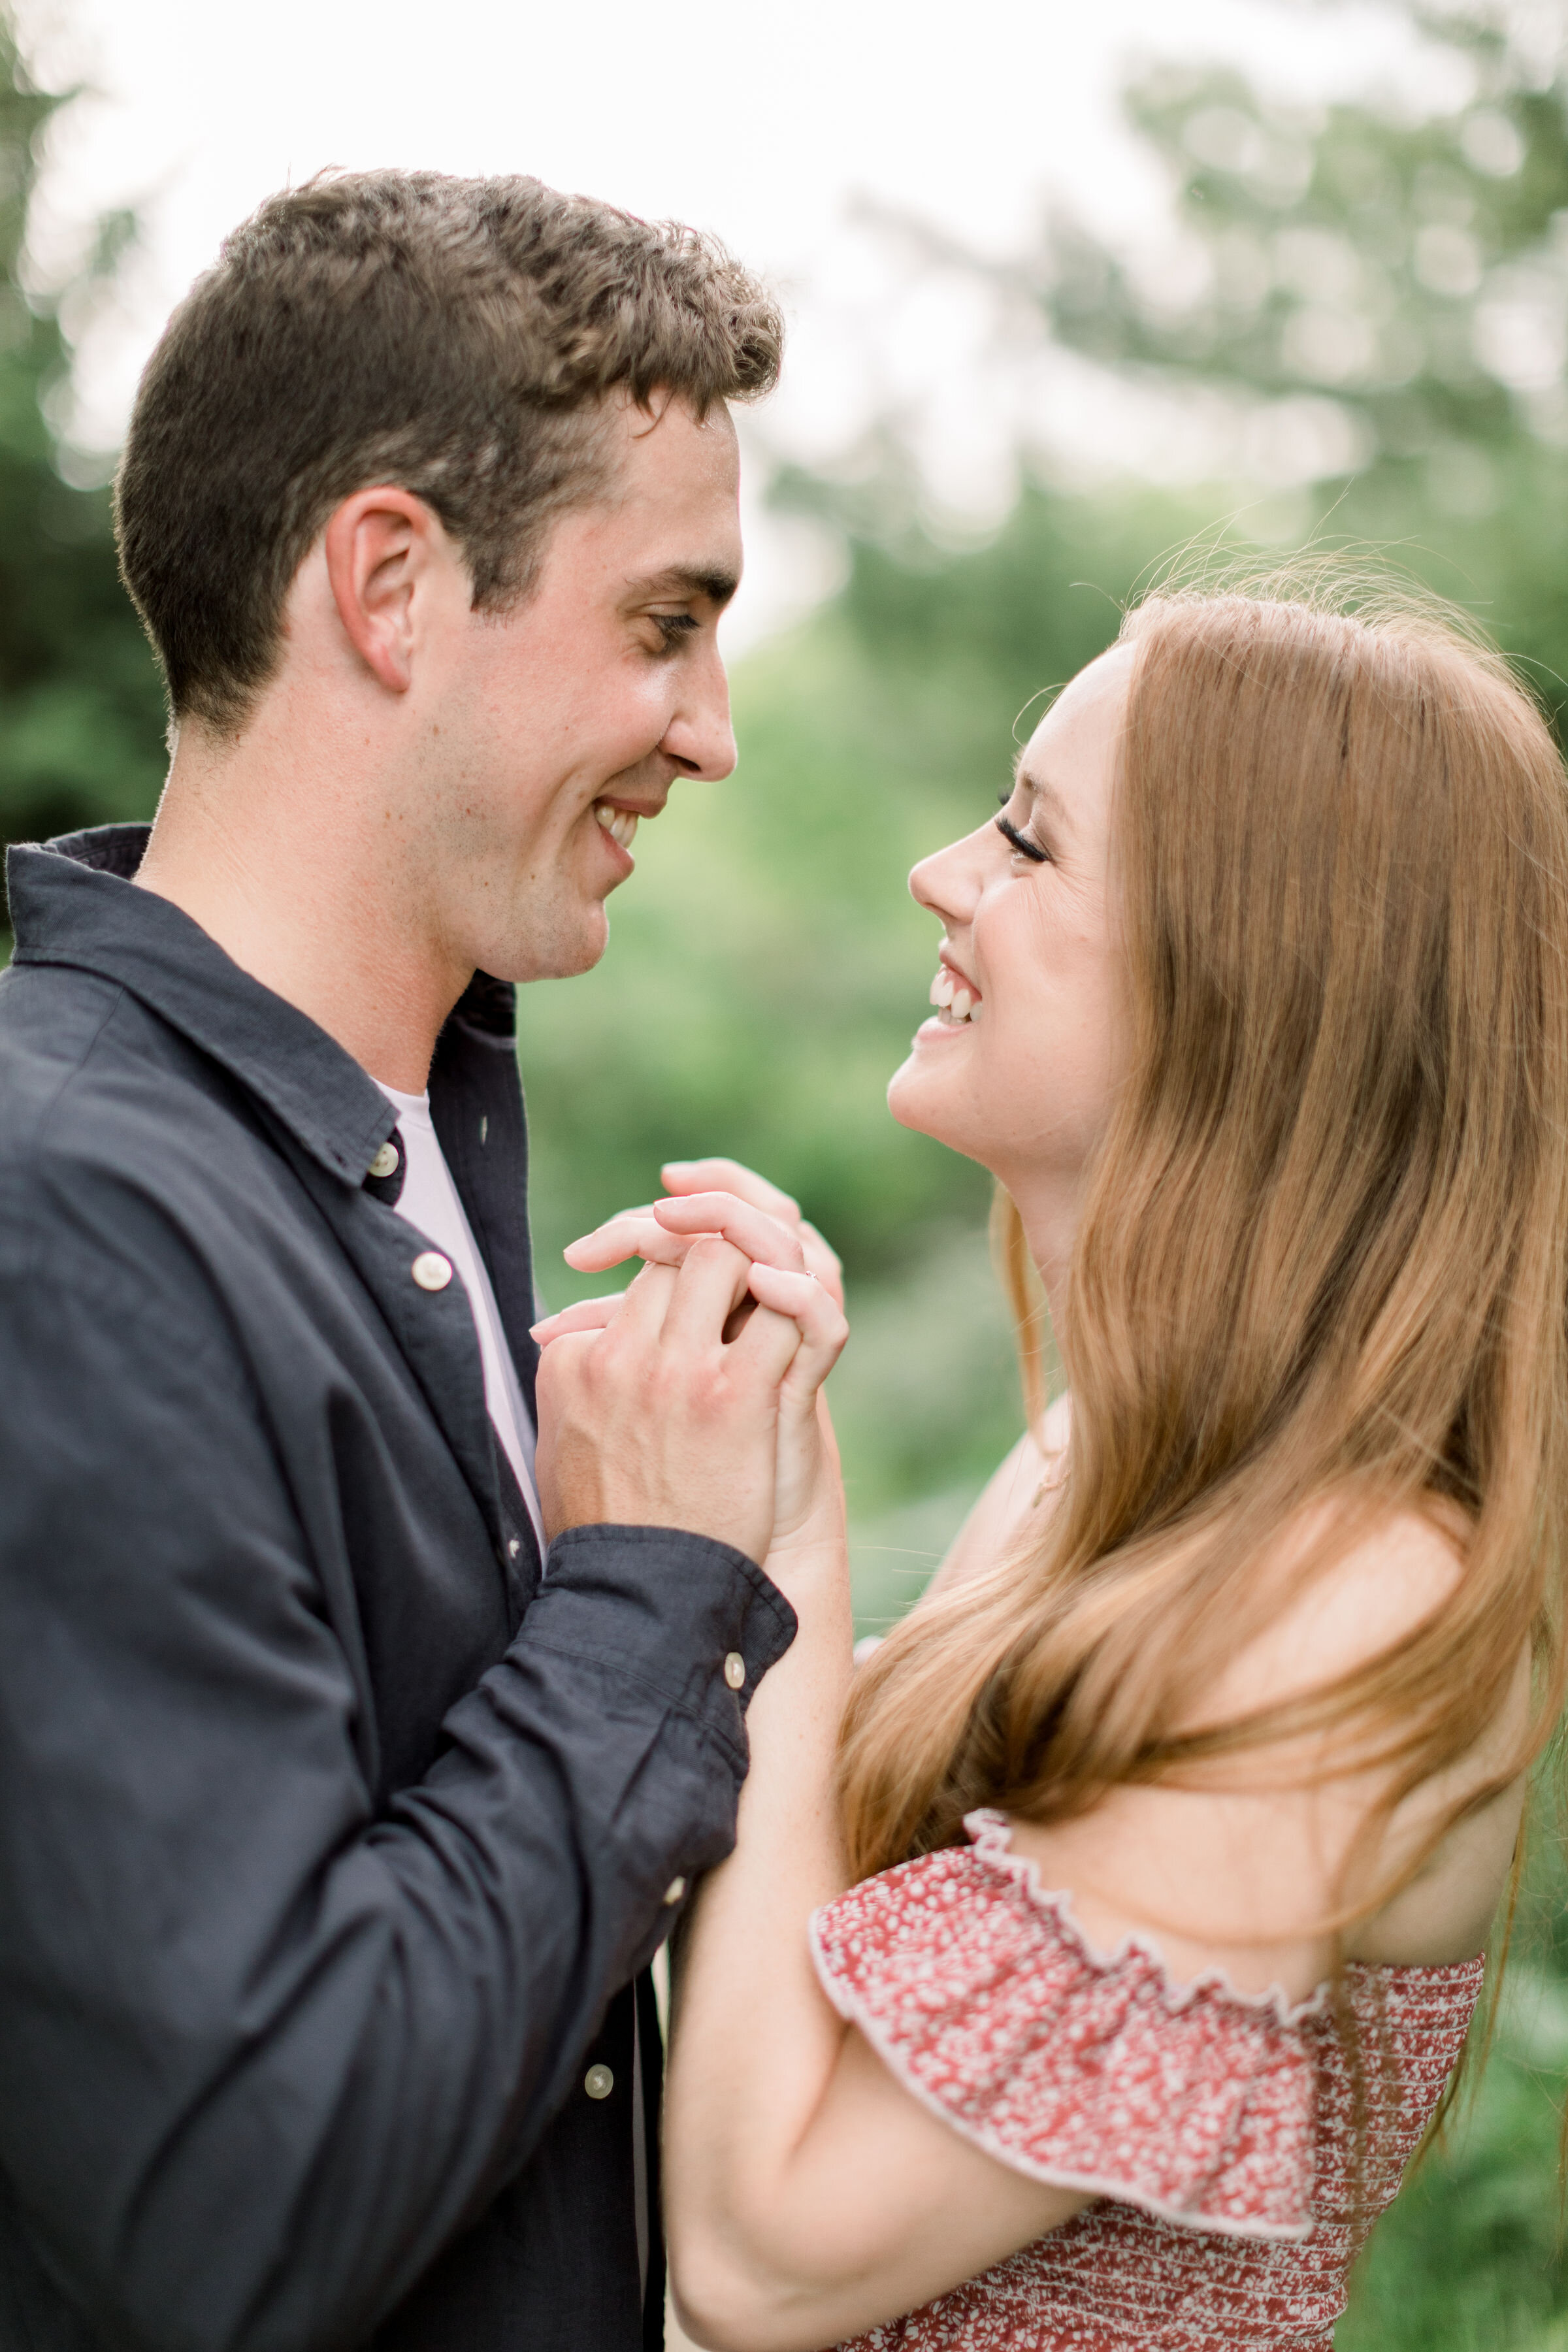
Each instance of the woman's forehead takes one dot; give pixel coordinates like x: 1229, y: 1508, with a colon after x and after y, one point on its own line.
x: 1071, y: 753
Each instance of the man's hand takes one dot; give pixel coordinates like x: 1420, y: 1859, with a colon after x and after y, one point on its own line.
x: 648, y: 1416
x: 792, y: 1272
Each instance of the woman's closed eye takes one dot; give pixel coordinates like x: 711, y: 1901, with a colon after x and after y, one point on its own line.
x: 1020, y: 840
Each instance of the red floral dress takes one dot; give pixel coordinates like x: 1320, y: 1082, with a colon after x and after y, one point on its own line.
x: 1216, y: 2129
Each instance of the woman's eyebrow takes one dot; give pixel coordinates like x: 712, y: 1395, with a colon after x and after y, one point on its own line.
x: 1045, y: 795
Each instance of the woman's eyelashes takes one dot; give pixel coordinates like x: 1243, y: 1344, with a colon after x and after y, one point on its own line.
x: 1020, y: 840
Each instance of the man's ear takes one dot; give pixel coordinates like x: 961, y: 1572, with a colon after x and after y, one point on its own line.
x: 381, y: 545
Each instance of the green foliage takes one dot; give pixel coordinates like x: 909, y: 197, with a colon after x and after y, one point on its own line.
x: 80, y: 705
x: 1406, y: 280
x: 1470, y: 2259
x: 1473, y: 2256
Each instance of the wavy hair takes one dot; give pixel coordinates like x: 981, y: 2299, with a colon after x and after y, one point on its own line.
x: 1323, y: 1250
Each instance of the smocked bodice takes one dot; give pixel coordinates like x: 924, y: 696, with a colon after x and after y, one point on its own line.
x: 1215, y: 2130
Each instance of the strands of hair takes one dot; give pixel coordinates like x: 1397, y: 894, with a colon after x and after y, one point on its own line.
x: 1321, y: 1271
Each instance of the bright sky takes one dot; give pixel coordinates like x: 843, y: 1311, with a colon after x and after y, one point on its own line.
x: 761, y: 121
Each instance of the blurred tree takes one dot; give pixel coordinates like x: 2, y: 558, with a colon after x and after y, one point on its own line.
x: 1375, y: 300
x: 81, y: 712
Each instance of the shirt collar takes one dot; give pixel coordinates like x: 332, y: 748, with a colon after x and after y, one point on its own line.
x: 73, y: 902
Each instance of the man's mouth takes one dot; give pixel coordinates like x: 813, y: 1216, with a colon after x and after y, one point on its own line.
x: 621, y: 824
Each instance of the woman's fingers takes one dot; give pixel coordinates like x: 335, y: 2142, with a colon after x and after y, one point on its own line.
x: 687, y: 1177
x: 779, y: 1236
x: 634, y: 1233
x: 683, y: 1176
x: 822, y: 1261
x: 750, y: 1229
x: 587, y: 1315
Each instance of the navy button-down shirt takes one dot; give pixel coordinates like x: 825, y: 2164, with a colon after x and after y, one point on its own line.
x: 332, y: 1838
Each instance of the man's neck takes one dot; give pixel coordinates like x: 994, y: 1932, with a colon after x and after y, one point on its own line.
x: 276, y: 858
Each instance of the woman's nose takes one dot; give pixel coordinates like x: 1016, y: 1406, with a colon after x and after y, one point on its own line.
x: 947, y: 884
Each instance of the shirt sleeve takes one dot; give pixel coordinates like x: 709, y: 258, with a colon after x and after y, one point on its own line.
x: 1091, y: 2070
x: 264, y: 2050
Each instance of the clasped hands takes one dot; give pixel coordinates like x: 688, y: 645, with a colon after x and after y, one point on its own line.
x: 693, y: 1399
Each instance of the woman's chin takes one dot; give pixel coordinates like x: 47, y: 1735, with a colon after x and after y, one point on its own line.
x: 919, y: 1100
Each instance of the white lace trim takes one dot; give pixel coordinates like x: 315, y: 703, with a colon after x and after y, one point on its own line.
x: 990, y: 1834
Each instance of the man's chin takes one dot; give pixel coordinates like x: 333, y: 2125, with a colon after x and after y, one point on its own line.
x: 560, y: 953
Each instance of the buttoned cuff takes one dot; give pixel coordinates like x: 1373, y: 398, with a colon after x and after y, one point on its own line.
x: 692, y: 1617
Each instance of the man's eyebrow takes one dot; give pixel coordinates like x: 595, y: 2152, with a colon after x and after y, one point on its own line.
x: 685, y: 580
x: 1046, y: 795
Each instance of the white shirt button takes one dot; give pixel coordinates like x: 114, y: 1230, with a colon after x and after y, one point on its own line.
x: 386, y: 1161
x: 432, y: 1271
x: 598, y: 2081
x: 734, y: 1670
x: 675, y: 1890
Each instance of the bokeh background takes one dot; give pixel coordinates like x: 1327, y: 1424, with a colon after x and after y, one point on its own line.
x: 1066, y: 296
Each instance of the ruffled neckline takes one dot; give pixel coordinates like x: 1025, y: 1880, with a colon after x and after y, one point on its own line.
x: 991, y: 1837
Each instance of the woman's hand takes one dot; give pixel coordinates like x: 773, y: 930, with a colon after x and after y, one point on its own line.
x: 685, y: 1177
x: 792, y: 1273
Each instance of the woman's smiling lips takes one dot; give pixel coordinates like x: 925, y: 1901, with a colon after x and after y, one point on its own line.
x: 957, y: 1000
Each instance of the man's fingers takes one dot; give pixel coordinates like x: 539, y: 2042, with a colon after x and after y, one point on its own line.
x: 687, y: 1176
x: 769, y: 1346
x: 817, y: 1315
x: 710, y: 1285
x: 750, y: 1229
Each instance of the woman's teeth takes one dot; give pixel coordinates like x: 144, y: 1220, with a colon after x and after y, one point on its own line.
x: 956, y: 1003
x: 621, y: 824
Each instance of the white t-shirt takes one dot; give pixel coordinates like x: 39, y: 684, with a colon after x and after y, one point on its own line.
x: 432, y: 1206
x: 429, y: 1201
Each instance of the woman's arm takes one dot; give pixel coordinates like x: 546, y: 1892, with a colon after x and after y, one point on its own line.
x: 807, y: 2195
x: 811, y: 2195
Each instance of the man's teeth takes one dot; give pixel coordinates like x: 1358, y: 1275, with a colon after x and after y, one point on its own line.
x: 621, y: 824
x: 953, y: 1001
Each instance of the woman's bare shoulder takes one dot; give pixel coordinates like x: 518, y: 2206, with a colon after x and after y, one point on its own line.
x: 1240, y: 1861
x: 1361, y: 1593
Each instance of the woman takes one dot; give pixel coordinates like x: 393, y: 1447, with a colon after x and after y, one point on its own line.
x: 1094, y: 1983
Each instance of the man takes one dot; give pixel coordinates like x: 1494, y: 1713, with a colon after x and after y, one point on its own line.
x: 337, y: 1827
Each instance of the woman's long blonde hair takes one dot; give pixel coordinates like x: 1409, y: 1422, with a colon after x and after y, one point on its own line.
x: 1323, y: 1253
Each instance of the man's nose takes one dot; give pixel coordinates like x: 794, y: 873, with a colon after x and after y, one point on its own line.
x: 700, y: 738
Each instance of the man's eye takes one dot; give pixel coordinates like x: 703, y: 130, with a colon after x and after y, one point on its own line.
x: 673, y: 627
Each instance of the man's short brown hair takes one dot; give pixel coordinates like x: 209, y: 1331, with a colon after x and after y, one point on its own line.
x: 455, y: 337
